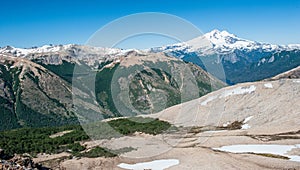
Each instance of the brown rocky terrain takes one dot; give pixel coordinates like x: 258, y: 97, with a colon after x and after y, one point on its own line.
x: 291, y: 74
x: 261, y: 113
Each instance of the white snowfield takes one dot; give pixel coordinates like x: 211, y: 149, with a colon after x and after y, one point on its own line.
x: 268, y: 85
x: 153, y: 165
x: 230, y: 92
x: 238, y: 91
x: 281, y: 150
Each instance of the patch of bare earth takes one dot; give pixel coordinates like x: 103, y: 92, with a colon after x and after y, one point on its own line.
x: 60, y: 134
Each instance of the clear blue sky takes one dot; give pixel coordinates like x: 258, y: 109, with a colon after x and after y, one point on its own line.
x: 27, y: 23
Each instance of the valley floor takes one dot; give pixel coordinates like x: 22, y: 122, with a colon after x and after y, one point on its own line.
x: 246, y: 126
x: 193, y: 151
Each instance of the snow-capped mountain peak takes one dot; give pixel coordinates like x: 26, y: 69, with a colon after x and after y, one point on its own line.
x: 222, y: 42
x: 22, y: 52
x: 226, y: 40
x: 217, y: 34
x: 214, y: 42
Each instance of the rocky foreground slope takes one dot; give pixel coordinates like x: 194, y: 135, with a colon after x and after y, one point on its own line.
x: 268, y: 104
x: 261, y: 115
x: 246, y: 126
x: 291, y: 74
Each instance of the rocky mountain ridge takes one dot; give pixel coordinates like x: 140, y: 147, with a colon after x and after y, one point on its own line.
x: 40, y: 89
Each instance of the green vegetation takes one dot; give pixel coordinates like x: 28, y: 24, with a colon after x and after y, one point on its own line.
x: 31, y: 118
x: 15, y: 114
x: 248, y: 67
x: 282, y: 62
x: 151, y: 90
x: 75, y: 147
x: 8, y: 119
x: 141, y: 80
x: 97, y: 152
x: 101, y: 65
x: 157, y: 79
x: 64, y: 70
x: 126, y: 126
x: 38, y: 140
x: 103, y: 89
x: 138, y: 124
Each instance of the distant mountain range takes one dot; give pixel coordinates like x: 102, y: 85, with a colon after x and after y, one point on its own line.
x: 38, y: 87
x: 242, y: 60
x: 36, y: 84
x: 224, y: 55
x: 222, y: 43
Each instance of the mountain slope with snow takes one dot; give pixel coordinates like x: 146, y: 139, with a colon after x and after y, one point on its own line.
x: 224, y: 55
x: 261, y: 105
x: 222, y: 42
x: 238, y: 59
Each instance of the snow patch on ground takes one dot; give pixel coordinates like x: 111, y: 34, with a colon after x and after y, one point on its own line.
x: 215, y: 131
x: 230, y: 92
x: 154, y: 165
x: 247, y: 119
x: 209, y: 99
x: 271, y: 59
x: 226, y: 124
x: 239, y: 90
x: 296, y: 81
x: 246, y: 126
x: 262, y: 149
x: 268, y: 85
